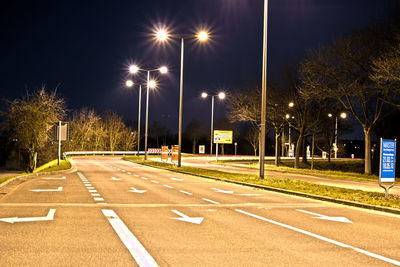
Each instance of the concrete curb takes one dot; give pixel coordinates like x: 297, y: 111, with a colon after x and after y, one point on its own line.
x: 70, y: 170
x: 289, y: 192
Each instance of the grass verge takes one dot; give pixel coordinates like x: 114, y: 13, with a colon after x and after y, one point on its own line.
x: 358, y: 196
x: 47, y: 167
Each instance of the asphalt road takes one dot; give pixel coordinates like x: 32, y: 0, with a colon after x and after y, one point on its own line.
x: 116, y: 213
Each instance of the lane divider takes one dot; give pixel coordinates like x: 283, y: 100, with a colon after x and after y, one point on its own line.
x: 93, y: 192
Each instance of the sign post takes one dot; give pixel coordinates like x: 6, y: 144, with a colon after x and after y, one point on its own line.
x: 387, y: 164
x: 62, y: 135
x: 222, y: 137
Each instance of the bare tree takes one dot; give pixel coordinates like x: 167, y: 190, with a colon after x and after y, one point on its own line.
x: 252, y: 136
x: 30, y: 119
x: 194, y: 131
x: 113, y: 125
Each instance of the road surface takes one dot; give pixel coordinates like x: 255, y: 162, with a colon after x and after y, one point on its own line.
x: 117, y: 213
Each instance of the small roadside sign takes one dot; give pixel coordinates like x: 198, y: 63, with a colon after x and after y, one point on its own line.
x: 222, y: 137
x: 387, y: 164
x: 202, y: 149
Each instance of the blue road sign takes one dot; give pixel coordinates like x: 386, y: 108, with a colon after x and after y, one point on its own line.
x: 387, y: 161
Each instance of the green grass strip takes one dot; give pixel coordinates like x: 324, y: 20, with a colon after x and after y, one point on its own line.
x: 337, y: 193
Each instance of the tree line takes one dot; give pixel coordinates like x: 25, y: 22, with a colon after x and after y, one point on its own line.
x: 358, y: 73
x: 28, y: 130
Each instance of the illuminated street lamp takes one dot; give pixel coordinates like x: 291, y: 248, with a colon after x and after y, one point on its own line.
x: 163, y: 35
x: 150, y: 85
x: 221, y: 96
x: 343, y: 115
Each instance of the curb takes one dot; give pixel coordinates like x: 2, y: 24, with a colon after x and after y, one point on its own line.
x: 289, y: 192
x: 70, y: 170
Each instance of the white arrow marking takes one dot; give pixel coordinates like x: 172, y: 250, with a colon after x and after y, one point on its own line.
x: 134, y: 190
x: 222, y: 191
x: 48, y: 190
x: 177, y: 179
x: 328, y: 218
x: 49, y: 217
x: 185, y: 218
x: 115, y: 179
x: 54, y: 178
x: 138, y: 252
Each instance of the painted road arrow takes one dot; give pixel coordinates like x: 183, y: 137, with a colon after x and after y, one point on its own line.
x: 222, y: 191
x: 328, y: 218
x: 48, y: 190
x: 134, y: 190
x: 55, y: 178
x: 115, y: 179
x: 185, y: 218
x: 49, y: 217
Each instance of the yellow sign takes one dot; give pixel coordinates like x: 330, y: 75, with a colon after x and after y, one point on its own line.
x: 223, y: 137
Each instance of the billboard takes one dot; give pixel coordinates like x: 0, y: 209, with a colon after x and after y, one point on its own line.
x: 223, y: 137
x: 387, y: 161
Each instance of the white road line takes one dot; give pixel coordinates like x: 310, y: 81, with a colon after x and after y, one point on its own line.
x: 101, y: 203
x: 177, y: 179
x: 156, y: 182
x: 87, y: 185
x: 98, y: 199
x: 90, y: 187
x: 187, y: 193
x: 129, y: 173
x: 86, y: 182
x: 168, y: 186
x: 144, y: 178
x: 95, y: 195
x: 92, y: 191
x: 123, y: 171
x: 81, y: 176
x: 138, y: 252
x: 209, y: 200
x: 379, y: 257
x: 55, y: 178
x: 136, y: 175
x: 250, y: 195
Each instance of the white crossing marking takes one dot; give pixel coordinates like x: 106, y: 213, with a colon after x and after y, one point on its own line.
x: 92, y: 191
x: 98, y: 199
x: 90, y: 187
x: 187, y: 193
x: 322, y: 238
x: 95, y: 195
x: 209, y: 200
x: 138, y: 252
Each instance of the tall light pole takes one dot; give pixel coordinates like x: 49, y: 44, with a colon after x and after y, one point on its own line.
x: 220, y: 95
x: 264, y: 91
x: 343, y: 115
x: 130, y: 83
x: 163, y: 35
x: 150, y: 84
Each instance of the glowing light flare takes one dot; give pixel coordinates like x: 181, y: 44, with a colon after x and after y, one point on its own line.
x: 287, y: 116
x: 129, y: 83
x: 221, y: 95
x: 291, y: 104
x: 133, y: 68
x: 204, y: 95
x: 163, y: 69
x: 202, y: 36
x: 343, y: 115
x: 330, y: 115
x: 162, y: 35
x: 152, y: 84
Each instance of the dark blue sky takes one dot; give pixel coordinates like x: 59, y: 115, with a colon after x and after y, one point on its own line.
x: 85, y: 47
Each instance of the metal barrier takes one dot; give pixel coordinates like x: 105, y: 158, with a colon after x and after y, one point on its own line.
x: 102, y: 153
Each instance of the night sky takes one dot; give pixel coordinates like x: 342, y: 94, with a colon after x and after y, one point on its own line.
x: 85, y: 47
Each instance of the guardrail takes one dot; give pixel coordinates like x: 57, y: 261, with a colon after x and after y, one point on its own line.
x: 84, y: 153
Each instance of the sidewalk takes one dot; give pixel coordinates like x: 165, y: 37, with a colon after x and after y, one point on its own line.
x: 370, y: 186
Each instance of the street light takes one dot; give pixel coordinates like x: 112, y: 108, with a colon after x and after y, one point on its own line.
x: 343, y: 115
x: 164, y: 35
x: 263, y: 91
x: 150, y: 84
x: 221, y: 96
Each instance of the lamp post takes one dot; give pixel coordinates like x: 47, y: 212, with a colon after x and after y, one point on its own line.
x: 150, y: 84
x: 130, y: 83
x: 343, y: 115
x: 163, y: 35
x: 263, y: 91
x: 220, y: 95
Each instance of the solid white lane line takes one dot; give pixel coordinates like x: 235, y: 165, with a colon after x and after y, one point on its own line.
x: 321, y: 238
x: 187, y: 193
x: 156, y: 182
x: 138, y: 252
x: 209, y: 200
x: 95, y: 195
x: 177, y: 179
x: 92, y: 191
x: 98, y: 199
x: 168, y: 186
x: 55, y: 178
